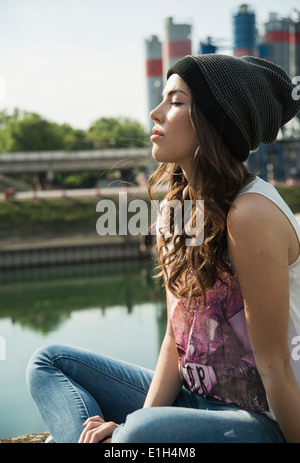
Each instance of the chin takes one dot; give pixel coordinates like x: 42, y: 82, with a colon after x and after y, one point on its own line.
x: 159, y: 156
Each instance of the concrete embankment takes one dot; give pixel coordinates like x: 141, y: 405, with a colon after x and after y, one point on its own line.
x: 71, y: 251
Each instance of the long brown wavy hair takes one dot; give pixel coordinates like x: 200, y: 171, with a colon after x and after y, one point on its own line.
x: 217, y: 177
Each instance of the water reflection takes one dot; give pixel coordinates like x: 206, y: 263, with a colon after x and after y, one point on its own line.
x: 114, y: 309
x: 42, y: 299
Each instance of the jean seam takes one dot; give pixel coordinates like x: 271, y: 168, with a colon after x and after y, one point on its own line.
x: 101, y: 371
x: 72, y: 385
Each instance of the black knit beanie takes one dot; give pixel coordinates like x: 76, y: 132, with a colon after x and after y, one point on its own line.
x: 246, y: 99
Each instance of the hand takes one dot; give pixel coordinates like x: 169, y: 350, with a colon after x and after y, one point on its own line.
x: 97, y: 430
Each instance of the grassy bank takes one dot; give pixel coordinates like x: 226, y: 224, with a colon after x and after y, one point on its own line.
x: 66, y: 217
x: 291, y: 195
x: 45, y: 219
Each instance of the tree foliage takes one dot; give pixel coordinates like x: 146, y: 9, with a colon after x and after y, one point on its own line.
x: 28, y: 131
x: 116, y: 133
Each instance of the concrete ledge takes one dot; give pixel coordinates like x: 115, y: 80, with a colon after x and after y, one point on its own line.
x: 26, y: 439
x: 62, y: 253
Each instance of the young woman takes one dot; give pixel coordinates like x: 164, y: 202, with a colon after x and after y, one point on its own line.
x: 227, y: 369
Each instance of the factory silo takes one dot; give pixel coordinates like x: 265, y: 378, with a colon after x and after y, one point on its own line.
x: 177, y: 43
x: 279, y: 35
x: 244, y: 32
x: 264, y: 51
x: 153, y: 73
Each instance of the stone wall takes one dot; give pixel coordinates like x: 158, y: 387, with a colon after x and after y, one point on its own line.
x: 26, y: 439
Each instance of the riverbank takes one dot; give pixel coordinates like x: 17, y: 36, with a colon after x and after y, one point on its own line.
x: 26, y: 439
x: 44, y: 218
x: 71, y: 246
x: 41, y: 232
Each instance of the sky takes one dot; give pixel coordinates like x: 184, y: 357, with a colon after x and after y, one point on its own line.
x: 74, y: 61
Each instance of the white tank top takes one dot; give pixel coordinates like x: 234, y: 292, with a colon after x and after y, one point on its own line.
x: 266, y: 189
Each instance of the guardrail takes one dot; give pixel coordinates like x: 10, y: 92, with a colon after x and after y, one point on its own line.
x: 77, y: 193
x: 27, y: 156
x: 74, y: 193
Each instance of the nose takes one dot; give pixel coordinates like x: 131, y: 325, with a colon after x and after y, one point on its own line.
x: 155, y: 114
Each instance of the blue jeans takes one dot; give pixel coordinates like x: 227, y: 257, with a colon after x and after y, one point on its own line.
x: 70, y: 384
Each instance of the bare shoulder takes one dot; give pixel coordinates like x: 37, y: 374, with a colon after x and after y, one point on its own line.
x: 256, y: 226
x: 253, y: 211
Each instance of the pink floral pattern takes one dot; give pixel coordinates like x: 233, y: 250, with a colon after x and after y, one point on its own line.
x: 215, y: 357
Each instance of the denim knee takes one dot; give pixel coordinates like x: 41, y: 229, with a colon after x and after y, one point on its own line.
x: 39, y: 360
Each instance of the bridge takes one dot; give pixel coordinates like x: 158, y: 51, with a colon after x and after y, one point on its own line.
x: 46, y: 163
x: 74, y: 161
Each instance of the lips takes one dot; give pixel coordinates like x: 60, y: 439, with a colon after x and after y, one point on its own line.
x: 157, y: 133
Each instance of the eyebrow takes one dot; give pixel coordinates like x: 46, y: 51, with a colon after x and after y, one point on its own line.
x: 172, y: 92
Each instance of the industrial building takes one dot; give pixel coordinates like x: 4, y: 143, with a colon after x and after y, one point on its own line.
x: 177, y: 43
x: 207, y: 47
x: 244, y: 32
x: 279, y: 42
x: 161, y: 55
x: 279, y: 36
x: 154, y: 73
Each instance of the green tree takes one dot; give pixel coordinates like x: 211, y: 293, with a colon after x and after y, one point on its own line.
x: 5, y: 118
x: 117, y: 133
x: 29, y: 132
x: 75, y: 139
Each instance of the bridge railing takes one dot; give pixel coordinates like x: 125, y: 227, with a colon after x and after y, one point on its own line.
x: 24, y: 156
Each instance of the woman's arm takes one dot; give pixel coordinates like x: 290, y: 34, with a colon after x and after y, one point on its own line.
x: 259, y: 240
x: 166, y: 383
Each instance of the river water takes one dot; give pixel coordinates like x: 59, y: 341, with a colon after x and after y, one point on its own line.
x: 115, y: 309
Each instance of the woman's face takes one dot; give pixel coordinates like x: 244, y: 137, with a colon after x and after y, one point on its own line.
x: 174, y: 139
